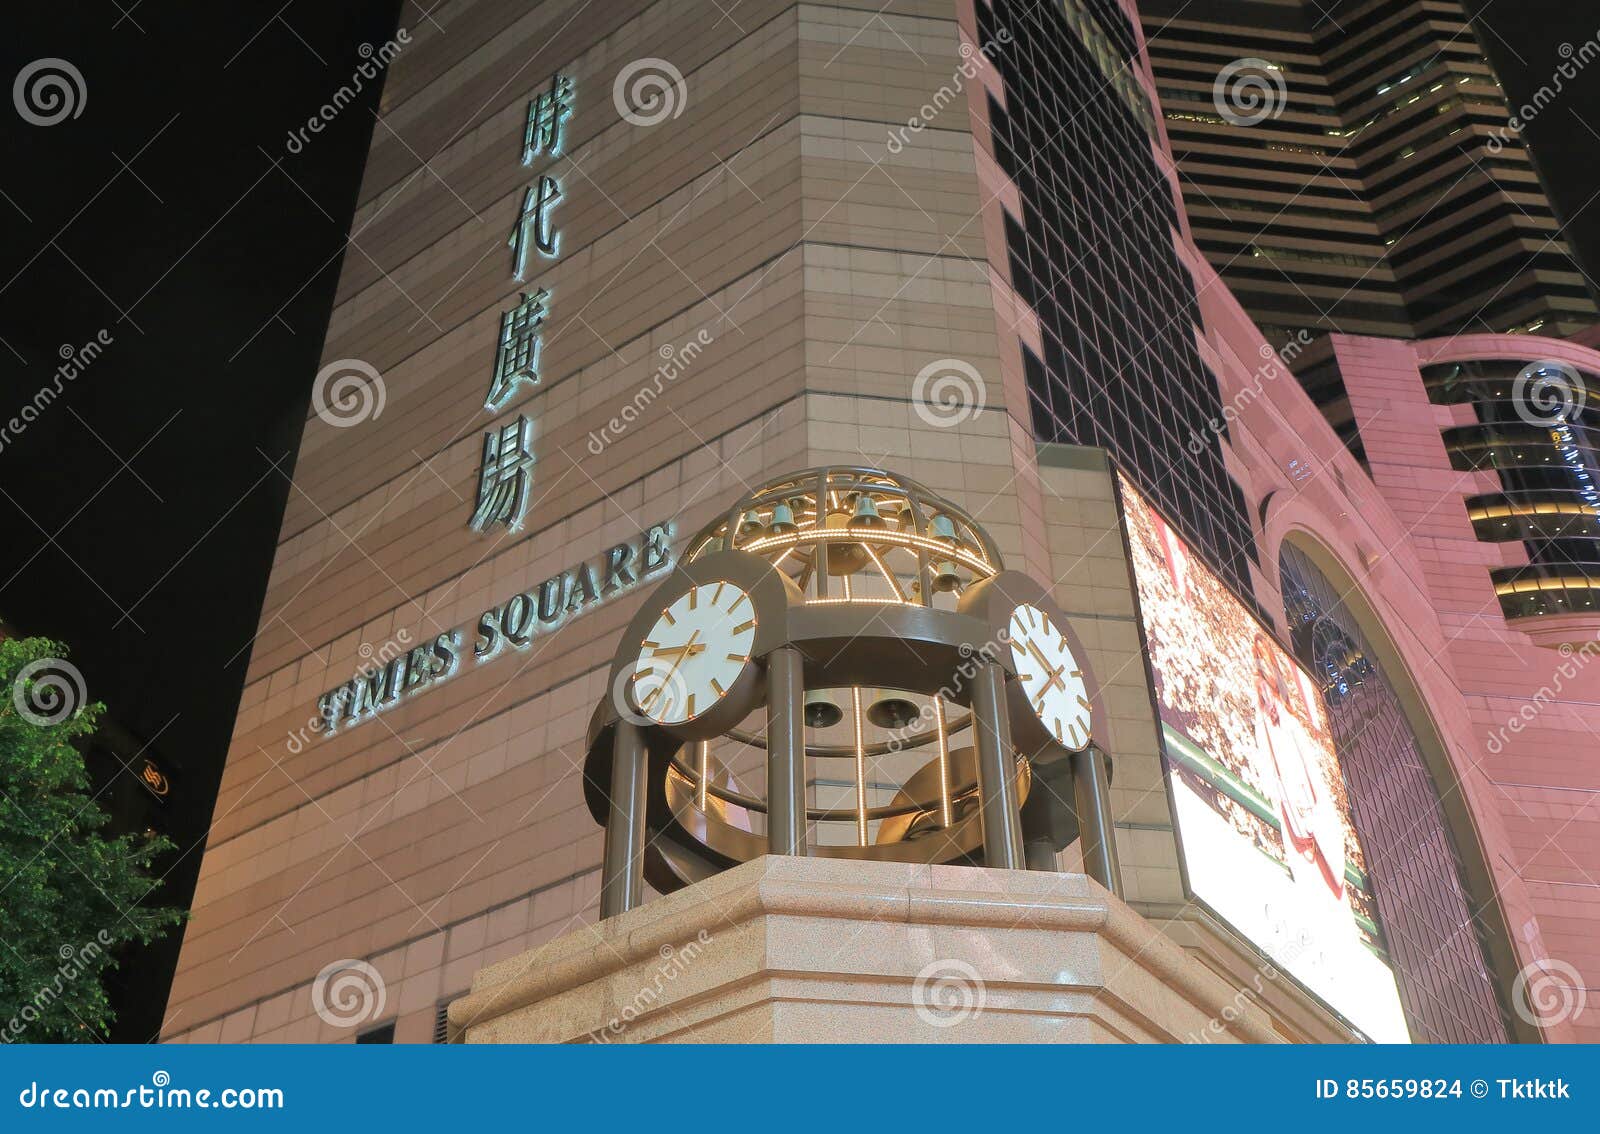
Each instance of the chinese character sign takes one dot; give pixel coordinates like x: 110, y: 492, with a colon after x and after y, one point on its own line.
x: 505, y: 476
x: 517, y: 361
x: 545, y: 114
x: 534, y: 225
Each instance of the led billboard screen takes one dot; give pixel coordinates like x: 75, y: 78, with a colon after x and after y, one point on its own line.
x: 1259, y: 801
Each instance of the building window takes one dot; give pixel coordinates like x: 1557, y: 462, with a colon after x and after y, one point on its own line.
x: 1434, y: 936
x: 1094, y: 257
x: 383, y: 1033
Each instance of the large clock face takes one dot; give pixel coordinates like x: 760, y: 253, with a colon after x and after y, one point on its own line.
x: 1050, y: 675
x: 694, y: 653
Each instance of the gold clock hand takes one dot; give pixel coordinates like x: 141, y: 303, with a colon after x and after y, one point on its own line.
x: 1053, y: 673
x: 687, y: 650
x: 656, y: 692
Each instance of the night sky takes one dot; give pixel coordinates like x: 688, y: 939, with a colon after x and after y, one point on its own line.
x: 1526, y: 40
x: 140, y: 511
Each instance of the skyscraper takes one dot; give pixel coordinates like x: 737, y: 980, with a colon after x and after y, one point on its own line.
x: 647, y: 284
x: 1092, y: 255
x: 1351, y: 167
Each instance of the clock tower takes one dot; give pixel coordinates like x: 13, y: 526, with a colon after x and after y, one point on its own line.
x: 842, y: 667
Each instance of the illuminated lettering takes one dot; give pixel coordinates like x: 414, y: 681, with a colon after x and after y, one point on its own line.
x: 523, y: 617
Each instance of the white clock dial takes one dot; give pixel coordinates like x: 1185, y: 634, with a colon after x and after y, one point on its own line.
x: 694, y: 653
x: 1051, y: 677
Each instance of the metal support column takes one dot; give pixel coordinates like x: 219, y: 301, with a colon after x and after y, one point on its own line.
x: 997, y: 770
x: 622, y: 874
x: 1091, y: 789
x: 786, y: 753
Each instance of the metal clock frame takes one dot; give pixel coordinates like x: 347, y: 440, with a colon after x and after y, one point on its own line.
x: 632, y: 784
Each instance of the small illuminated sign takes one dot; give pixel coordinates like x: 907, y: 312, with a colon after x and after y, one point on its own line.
x: 154, y: 779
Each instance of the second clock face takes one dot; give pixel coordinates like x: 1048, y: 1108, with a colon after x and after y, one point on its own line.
x: 1050, y: 675
x: 694, y: 653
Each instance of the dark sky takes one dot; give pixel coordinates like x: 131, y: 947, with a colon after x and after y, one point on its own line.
x: 140, y: 510
x: 1527, y: 42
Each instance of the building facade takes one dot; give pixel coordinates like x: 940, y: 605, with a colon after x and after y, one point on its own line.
x: 621, y: 267
x: 1349, y: 167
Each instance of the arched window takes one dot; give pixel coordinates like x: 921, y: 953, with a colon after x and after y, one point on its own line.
x: 1434, y: 933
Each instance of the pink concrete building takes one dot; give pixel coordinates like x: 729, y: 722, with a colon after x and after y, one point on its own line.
x: 1465, y: 584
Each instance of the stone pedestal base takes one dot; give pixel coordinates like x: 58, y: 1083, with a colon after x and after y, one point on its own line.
x: 792, y: 950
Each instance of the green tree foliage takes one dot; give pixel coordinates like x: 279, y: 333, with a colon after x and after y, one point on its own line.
x: 69, y: 895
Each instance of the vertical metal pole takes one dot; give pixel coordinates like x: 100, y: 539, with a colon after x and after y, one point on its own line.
x: 861, y: 767
x: 1091, y: 790
x: 786, y: 753
x: 622, y: 873
x: 946, y: 805
x: 997, y: 770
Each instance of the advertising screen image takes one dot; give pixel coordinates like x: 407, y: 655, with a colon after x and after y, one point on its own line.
x: 1259, y: 802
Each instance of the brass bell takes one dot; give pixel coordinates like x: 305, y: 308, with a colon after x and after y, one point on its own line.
x: 782, y: 520
x: 751, y: 523
x: 822, y: 711
x: 891, y: 710
x: 866, y: 513
x: 843, y: 558
x: 943, y: 527
x: 945, y: 577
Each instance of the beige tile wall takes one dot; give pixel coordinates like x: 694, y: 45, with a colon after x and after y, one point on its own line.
x: 1093, y: 585
x: 827, y: 270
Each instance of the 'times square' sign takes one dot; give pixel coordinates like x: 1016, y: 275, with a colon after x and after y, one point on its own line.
x: 517, y: 621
